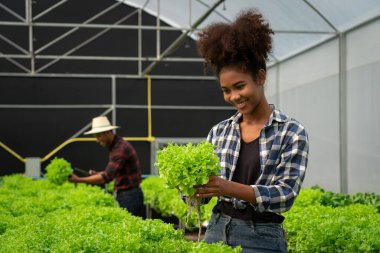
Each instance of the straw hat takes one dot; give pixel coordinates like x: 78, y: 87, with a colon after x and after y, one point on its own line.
x: 100, y: 124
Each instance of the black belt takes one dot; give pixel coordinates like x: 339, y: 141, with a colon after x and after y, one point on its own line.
x: 248, y: 213
x: 124, y: 190
x: 127, y: 189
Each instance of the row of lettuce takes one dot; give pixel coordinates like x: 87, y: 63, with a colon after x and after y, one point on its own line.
x: 319, y: 221
x: 323, y: 221
x: 39, y: 216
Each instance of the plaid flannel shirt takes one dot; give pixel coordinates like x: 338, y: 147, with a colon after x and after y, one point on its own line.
x: 284, y: 150
x: 123, y: 165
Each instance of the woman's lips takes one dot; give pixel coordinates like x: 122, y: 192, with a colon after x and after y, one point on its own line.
x: 241, y: 104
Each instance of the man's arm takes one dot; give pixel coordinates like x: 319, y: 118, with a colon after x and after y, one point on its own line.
x: 93, y: 179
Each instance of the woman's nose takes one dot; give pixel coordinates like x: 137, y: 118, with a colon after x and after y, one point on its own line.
x: 235, y: 95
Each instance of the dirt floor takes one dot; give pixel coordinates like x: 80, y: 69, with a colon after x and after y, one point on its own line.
x: 193, y: 235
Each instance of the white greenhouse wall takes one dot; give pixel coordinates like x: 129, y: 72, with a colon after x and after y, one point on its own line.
x: 309, y: 93
x: 363, y: 109
x: 271, y: 85
x: 308, y: 88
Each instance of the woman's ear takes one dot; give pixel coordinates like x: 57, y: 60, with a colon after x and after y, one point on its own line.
x: 261, y: 77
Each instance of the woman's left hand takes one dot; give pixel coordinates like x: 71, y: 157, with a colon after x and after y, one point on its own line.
x: 214, y: 187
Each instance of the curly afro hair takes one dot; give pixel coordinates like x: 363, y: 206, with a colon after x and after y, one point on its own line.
x: 244, y: 44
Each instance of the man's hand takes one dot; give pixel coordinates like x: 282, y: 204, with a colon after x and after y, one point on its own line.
x: 92, y: 172
x: 93, y: 179
x: 73, y: 178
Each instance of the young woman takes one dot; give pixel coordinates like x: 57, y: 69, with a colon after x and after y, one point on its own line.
x: 263, y: 152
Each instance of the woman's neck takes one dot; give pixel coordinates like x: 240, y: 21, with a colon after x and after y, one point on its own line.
x: 259, y: 116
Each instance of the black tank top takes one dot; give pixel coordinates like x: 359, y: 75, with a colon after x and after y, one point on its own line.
x: 248, y: 165
x: 247, y: 172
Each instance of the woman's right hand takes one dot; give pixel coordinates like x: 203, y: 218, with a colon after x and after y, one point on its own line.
x: 215, y: 187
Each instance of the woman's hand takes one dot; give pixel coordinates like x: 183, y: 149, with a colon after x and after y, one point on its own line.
x: 216, y: 186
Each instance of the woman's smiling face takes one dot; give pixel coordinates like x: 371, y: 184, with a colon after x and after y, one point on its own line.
x: 241, y: 90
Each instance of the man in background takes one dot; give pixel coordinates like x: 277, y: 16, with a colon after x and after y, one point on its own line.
x: 123, y: 167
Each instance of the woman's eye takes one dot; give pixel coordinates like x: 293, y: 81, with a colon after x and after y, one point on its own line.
x: 240, y: 86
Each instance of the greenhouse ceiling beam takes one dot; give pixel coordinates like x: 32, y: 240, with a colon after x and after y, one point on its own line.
x: 136, y: 27
x: 29, y: 24
x: 335, y: 36
x: 227, y: 20
x: 13, y: 44
x: 89, y: 75
x: 92, y: 38
x: 119, y: 106
x: 176, y: 107
x: 2, y: 6
x: 8, y: 58
x: 320, y: 14
x: 94, y: 26
x: 52, y: 42
x: 103, y: 58
x: 44, y: 106
x: 179, y: 41
x: 48, y: 10
x: 16, y: 63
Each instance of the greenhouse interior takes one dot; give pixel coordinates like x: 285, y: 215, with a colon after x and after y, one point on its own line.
x: 64, y: 63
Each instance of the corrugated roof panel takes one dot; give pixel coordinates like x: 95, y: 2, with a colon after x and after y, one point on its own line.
x: 287, y: 45
x: 298, y: 24
x: 345, y: 14
x: 291, y: 15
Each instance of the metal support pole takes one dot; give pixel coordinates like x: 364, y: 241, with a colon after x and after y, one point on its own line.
x: 343, y: 112
x: 148, y: 211
x: 29, y: 18
x: 278, y: 85
x: 153, y: 150
x: 158, y: 31
x: 139, y: 43
x: 277, y: 66
x: 33, y: 167
x: 113, y: 94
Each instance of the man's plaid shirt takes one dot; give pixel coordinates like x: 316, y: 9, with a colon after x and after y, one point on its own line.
x: 284, y: 150
x: 123, y: 165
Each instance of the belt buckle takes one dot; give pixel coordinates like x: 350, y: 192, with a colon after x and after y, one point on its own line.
x: 238, y: 204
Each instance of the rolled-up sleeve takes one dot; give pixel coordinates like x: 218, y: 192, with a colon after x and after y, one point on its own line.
x: 280, y: 193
